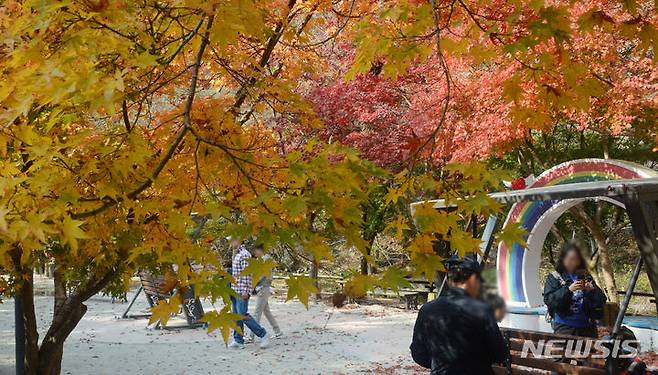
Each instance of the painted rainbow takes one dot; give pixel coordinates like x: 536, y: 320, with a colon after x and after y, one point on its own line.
x: 512, y: 283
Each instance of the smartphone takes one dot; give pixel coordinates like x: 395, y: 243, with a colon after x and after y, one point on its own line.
x: 583, y: 275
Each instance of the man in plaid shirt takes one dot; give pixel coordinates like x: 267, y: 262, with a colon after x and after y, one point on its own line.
x: 243, y: 288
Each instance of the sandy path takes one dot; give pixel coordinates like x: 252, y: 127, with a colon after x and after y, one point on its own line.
x: 355, y: 339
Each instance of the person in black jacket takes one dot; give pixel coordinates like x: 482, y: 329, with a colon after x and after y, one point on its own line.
x: 456, y: 334
x: 573, y: 299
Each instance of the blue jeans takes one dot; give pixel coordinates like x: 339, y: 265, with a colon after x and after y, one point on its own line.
x: 241, y: 307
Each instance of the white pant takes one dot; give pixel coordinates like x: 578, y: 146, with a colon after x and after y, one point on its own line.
x: 263, y: 306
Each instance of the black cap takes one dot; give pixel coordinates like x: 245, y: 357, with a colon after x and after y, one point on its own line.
x: 467, y: 263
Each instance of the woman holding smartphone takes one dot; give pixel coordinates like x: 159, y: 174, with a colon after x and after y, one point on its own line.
x: 573, y: 299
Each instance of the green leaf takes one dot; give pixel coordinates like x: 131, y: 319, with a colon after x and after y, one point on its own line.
x: 258, y: 268
x: 394, y: 279
x: 301, y: 287
x: 295, y: 205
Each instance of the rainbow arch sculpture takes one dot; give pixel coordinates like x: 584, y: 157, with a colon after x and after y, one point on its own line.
x: 518, y: 267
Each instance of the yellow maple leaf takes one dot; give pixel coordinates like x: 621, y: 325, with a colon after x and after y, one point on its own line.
x: 359, y: 285
x: 3, y: 221
x: 513, y: 233
x: 165, y: 309
x: 37, y: 227
x: 422, y: 244
x: 464, y: 242
x: 399, y: 225
x: 258, y: 268
x: 225, y: 321
x: 72, y: 232
x: 427, y: 264
x: 394, y: 279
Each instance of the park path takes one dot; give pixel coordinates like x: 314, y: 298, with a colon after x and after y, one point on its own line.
x: 320, y: 340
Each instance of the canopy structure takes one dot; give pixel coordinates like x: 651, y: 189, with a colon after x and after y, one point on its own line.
x: 638, y: 196
x: 625, y: 184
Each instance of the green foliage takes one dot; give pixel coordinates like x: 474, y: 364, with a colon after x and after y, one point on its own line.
x: 300, y: 287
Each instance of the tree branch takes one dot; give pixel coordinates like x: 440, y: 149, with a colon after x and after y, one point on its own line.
x: 179, y: 137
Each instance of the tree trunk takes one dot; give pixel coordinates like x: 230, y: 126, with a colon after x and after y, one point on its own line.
x: 606, y: 268
x: 556, y: 232
x: 30, y: 322
x: 59, y: 286
x: 52, y: 347
x: 313, y: 274
x: 315, y: 266
x: 26, y: 294
x: 365, y: 267
x: 364, y: 262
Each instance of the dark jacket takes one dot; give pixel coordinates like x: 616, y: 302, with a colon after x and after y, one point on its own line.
x: 557, y: 298
x: 457, y: 334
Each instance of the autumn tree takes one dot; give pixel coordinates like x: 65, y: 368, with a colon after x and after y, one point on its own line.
x: 512, y: 66
x: 506, y: 71
x: 121, y: 118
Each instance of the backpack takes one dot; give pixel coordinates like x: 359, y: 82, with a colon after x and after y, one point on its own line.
x: 549, y: 313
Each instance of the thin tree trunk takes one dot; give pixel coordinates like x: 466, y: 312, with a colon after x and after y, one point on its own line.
x: 364, y: 261
x: 560, y: 237
x: 26, y: 294
x: 315, y: 266
x: 364, y: 266
x: 607, y: 269
x: 313, y: 274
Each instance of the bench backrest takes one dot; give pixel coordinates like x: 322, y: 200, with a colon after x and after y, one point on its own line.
x: 154, y: 287
x: 534, y: 363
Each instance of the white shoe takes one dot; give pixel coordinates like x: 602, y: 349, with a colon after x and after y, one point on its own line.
x: 265, y: 341
x: 248, y: 339
x: 235, y: 345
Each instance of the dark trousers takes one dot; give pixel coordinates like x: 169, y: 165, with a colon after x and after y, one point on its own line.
x: 564, y: 329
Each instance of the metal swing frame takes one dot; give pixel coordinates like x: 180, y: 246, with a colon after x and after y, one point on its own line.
x: 640, y: 199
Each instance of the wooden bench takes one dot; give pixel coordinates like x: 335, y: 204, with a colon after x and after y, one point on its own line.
x: 532, y: 365
x: 413, y: 296
x: 155, y: 289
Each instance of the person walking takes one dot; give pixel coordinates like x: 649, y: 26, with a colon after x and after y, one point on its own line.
x: 240, y: 304
x: 263, y: 292
x: 456, y: 334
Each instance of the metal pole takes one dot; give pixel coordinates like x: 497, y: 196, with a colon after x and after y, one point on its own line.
x: 488, y: 239
x: 19, y: 335
x: 125, y: 313
x: 443, y: 283
x: 627, y: 297
x: 643, y: 220
x: 611, y: 362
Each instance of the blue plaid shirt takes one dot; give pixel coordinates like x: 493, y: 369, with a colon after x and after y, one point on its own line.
x: 242, y: 284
